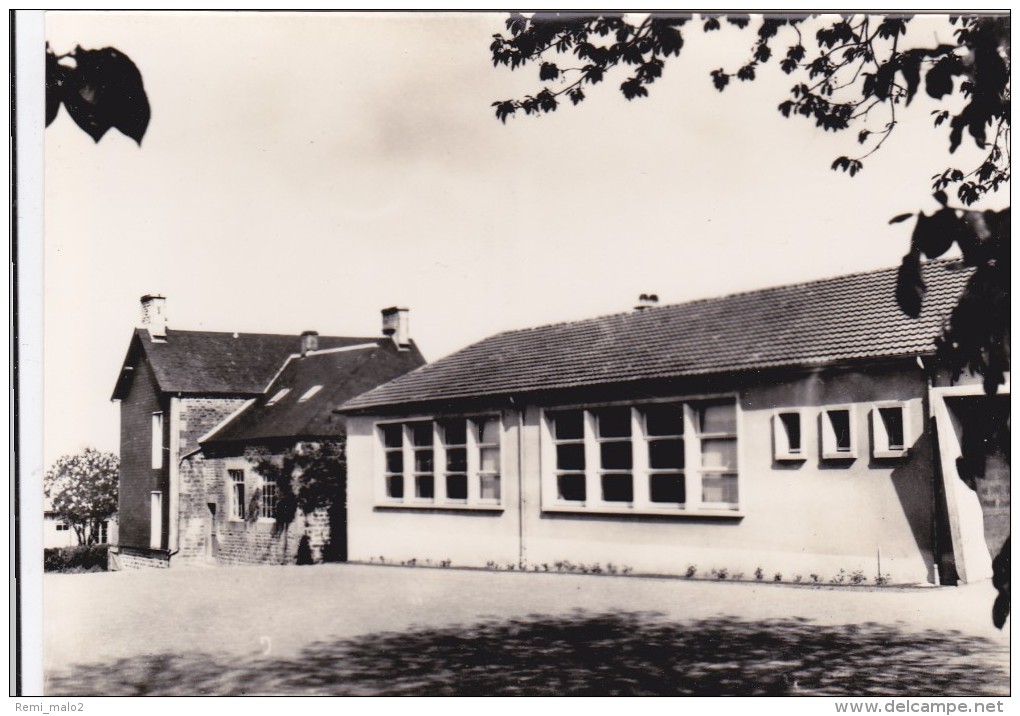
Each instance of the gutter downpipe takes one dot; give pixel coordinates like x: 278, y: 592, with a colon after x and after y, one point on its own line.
x: 174, y: 535
x: 522, y: 553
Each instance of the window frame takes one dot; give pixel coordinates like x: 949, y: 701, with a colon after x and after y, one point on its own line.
x: 157, y: 440
x: 263, y: 484
x: 692, y: 472
x: 237, y: 512
x: 781, y: 450
x: 473, y: 469
x: 156, y: 519
x: 827, y: 437
x: 880, y: 448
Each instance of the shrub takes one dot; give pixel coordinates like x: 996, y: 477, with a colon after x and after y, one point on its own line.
x: 881, y: 579
x: 840, y: 577
x: 721, y: 573
x: 692, y: 569
x: 857, y: 577
x: 797, y: 578
x: 815, y: 578
x: 777, y: 577
x: 304, y: 551
x: 759, y: 574
x: 87, y: 558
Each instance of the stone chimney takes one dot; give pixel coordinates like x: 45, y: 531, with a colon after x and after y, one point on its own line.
x: 154, y: 315
x: 396, y: 325
x: 646, y: 300
x: 309, y: 342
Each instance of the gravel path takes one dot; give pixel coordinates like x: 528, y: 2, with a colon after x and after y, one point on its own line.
x: 165, y: 631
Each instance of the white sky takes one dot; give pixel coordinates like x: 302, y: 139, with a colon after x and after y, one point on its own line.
x: 303, y: 171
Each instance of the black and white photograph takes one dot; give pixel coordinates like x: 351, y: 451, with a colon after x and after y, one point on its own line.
x: 515, y: 354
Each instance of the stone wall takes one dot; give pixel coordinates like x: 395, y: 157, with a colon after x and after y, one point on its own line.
x: 129, y: 558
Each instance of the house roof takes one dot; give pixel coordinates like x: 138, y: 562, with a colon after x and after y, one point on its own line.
x: 832, y: 320
x: 340, y: 374
x: 206, y: 362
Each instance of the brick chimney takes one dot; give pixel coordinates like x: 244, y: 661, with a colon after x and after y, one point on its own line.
x: 395, y: 324
x: 646, y: 300
x: 309, y: 342
x: 154, y: 315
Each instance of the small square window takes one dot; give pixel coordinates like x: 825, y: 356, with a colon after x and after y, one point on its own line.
x: 788, y: 438
x: 838, y: 434
x: 889, y: 431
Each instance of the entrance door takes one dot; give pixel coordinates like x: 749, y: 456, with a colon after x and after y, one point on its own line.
x: 975, y: 475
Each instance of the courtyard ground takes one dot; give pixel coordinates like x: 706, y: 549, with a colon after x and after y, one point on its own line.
x: 368, y: 629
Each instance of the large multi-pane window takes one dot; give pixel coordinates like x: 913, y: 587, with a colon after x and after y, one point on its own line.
x: 449, y: 462
x: 668, y: 456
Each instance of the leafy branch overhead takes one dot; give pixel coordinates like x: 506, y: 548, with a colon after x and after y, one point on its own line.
x: 850, y: 72
x: 101, y: 89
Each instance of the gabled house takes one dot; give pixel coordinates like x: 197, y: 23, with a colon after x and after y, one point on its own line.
x: 799, y: 430
x: 177, y: 387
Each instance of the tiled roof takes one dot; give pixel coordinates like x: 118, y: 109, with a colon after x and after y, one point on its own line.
x: 205, y: 362
x: 838, y: 319
x: 342, y: 374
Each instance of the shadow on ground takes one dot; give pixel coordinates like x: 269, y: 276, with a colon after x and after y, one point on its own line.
x: 583, y: 654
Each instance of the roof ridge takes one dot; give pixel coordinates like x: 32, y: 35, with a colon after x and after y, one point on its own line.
x: 260, y: 333
x: 722, y: 297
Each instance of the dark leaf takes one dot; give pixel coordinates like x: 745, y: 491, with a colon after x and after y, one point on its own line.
x: 740, y: 21
x: 104, y: 91
x: 938, y: 82
x: 762, y: 53
x: 891, y: 27
x: 720, y: 79
x: 576, y: 96
x: 910, y: 286
x: 711, y: 24
x: 746, y: 73
x: 633, y: 88
x: 935, y: 234
x: 505, y: 109
x: 55, y: 77
x: 910, y: 68
x: 969, y: 192
x: 548, y: 71
x: 863, y: 136
x: 900, y: 218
